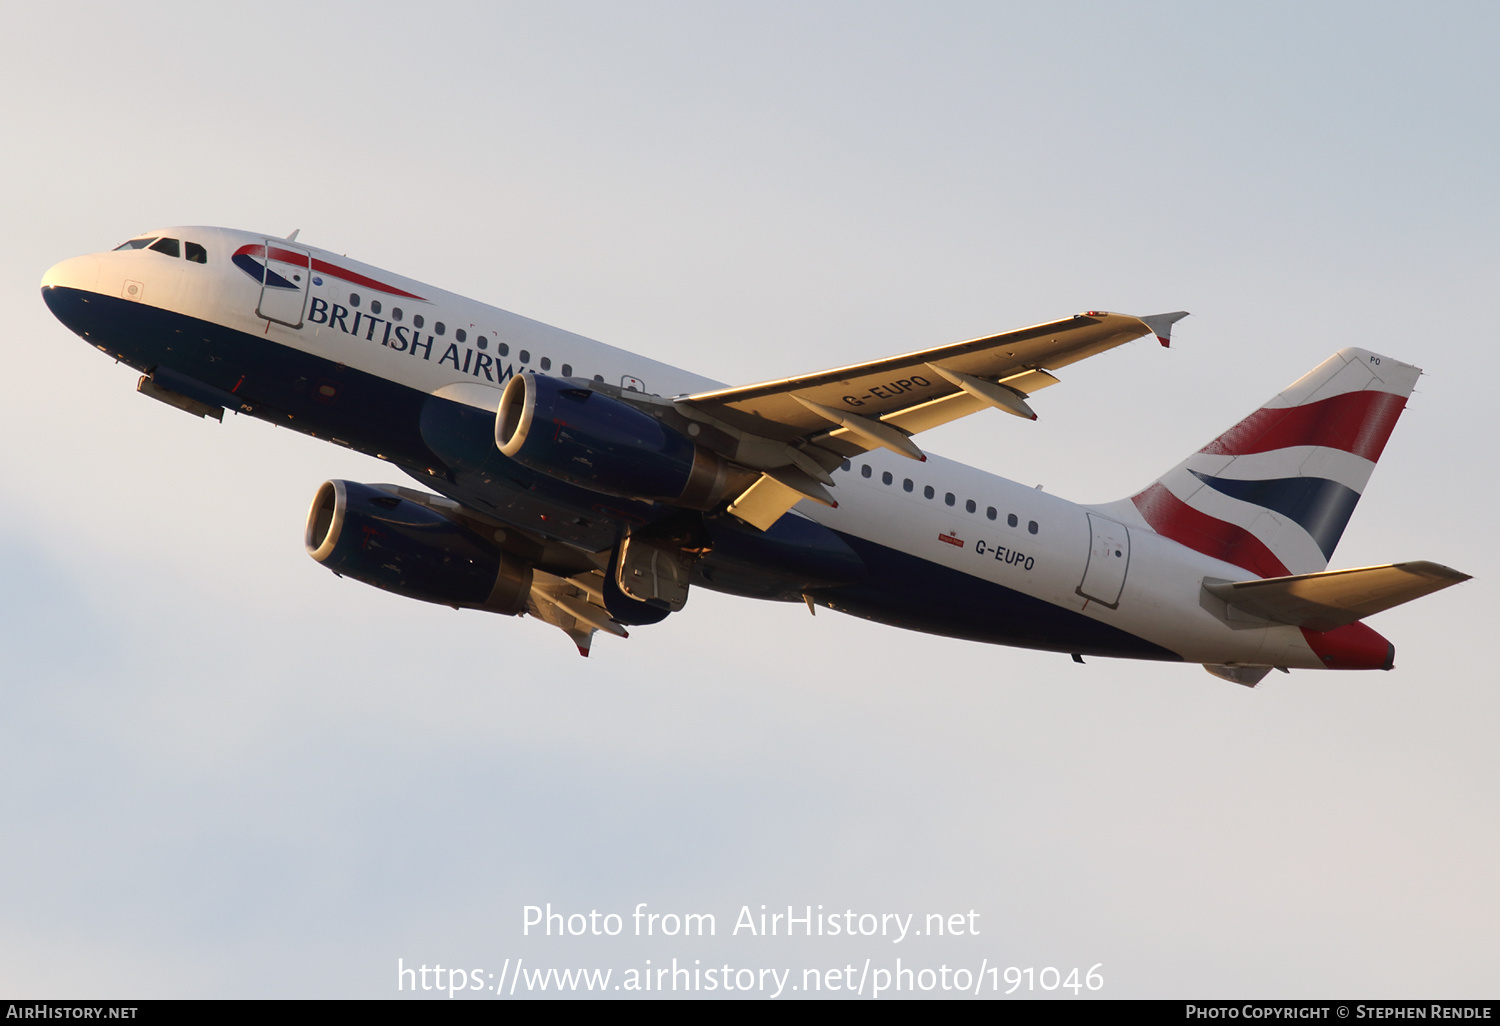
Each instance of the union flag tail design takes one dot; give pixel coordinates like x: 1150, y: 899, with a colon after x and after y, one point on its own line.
x: 1274, y: 493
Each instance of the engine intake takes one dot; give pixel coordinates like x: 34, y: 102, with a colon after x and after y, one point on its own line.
x: 401, y: 546
x: 598, y: 442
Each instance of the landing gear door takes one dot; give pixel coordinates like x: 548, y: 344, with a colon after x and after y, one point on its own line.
x: 286, y: 273
x: 1109, y: 558
x: 648, y: 572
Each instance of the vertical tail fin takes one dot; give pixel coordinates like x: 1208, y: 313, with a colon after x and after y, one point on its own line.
x: 1274, y: 493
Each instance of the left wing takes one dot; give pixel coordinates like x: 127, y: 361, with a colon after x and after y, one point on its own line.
x: 798, y: 429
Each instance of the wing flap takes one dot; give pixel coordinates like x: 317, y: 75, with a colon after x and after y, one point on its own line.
x: 764, y: 502
x: 935, y: 413
x: 1323, y: 601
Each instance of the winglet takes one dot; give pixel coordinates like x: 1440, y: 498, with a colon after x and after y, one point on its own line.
x: 1161, y: 325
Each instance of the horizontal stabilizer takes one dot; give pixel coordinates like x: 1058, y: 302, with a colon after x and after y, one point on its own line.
x: 1323, y: 601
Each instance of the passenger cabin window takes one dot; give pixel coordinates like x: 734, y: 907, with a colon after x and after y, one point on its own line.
x: 567, y: 370
x: 374, y: 306
x: 461, y: 335
x: 354, y: 299
x: 417, y: 320
x: 546, y: 363
x: 167, y: 247
x: 196, y: 253
x: 395, y: 313
x: 864, y: 471
x: 504, y: 350
x: 135, y: 244
x: 885, y: 477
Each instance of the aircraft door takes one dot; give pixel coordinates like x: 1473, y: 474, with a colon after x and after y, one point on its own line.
x: 650, y: 572
x: 1109, y: 558
x: 286, y: 274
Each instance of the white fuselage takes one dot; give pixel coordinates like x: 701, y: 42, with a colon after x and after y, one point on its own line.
x: 953, y: 516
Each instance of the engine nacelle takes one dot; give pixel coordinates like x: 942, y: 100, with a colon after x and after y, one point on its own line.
x: 404, y: 547
x: 598, y: 442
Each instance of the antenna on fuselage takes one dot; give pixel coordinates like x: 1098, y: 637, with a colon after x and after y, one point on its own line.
x: 293, y: 237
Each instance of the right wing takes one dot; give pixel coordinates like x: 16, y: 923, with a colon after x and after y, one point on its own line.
x: 796, y: 430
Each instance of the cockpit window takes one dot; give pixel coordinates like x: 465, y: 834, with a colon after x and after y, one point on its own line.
x: 196, y: 253
x: 136, y: 243
x: 168, y: 247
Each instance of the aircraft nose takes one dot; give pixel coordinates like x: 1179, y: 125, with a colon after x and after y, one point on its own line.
x: 75, y: 273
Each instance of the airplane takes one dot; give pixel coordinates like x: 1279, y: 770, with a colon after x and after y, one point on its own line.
x: 593, y: 488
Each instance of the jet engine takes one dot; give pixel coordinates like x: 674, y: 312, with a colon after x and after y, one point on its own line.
x: 598, y: 442
x: 374, y: 536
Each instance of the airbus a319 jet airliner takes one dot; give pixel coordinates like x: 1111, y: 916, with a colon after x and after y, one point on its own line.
x: 593, y: 488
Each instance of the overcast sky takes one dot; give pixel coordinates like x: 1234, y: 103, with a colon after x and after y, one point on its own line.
x: 225, y: 772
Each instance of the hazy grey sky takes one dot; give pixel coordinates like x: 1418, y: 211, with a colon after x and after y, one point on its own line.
x: 225, y: 772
